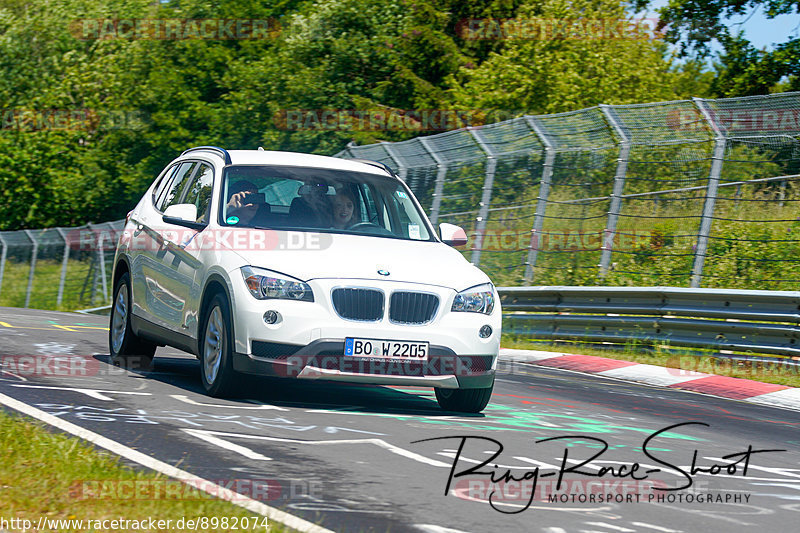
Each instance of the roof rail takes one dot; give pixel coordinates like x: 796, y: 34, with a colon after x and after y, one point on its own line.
x: 378, y: 164
x: 221, y: 151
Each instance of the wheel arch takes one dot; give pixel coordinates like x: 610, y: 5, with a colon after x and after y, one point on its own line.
x: 120, y: 268
x: 216, y: 284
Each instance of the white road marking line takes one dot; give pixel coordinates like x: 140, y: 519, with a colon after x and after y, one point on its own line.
x: 92, y: 393
x: 612, y: 526
x: 243, y: 450
x: 192, y: 480
x: 776, y: 471
x: 54, y: 348
x: 657, y: 528
x: 463, y: 494
x: 186, y: 399
x: 540, y: 464
x: 377, y: 442
x: 12, y: 374
x: 433, y: 528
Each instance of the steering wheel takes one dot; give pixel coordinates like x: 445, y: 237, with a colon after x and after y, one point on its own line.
x: 361, y: 225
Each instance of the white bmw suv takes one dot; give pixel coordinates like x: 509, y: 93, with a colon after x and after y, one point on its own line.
x: 302, y: 266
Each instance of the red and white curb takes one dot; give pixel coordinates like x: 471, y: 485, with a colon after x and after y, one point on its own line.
x: 674, y: 378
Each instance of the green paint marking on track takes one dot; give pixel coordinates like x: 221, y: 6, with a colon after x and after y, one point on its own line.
x: 504, y: 418
x: 515, y: 420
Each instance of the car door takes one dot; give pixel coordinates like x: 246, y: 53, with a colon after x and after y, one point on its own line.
x: 189, y: 256
x: 156, y: 295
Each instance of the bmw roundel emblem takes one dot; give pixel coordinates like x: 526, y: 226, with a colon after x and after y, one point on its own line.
x: 383, y: 272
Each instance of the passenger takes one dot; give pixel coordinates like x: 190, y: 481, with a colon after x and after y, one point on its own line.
x: 245, y: 205
x: 343, y: 209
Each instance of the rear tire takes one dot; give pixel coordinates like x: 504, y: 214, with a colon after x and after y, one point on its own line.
x: 216, y: 359
x: 126, y: 348
x: 464, y: 400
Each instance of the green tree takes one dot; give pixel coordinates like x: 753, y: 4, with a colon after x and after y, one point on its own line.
x: 559, y: 73
x: 741, y: 69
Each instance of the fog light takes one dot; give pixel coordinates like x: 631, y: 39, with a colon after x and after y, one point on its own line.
x: 485, y: 332
x: 270, y: 317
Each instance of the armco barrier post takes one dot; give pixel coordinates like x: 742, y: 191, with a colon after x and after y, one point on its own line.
x: 34, y: 254
x: 64, y: 261
x: 720, y: 142
x: 616, y: 194
x: 541, y: 200
x: 486, y: 196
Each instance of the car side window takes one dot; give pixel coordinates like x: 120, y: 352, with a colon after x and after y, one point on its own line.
x: 199, y: 192
x: 179, y: 181
x: 163, y: 184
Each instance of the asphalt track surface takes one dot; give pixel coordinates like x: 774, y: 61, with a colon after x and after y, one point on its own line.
x: 349, y: 457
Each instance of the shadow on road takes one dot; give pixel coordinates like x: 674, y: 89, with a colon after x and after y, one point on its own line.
x: 183, y: 371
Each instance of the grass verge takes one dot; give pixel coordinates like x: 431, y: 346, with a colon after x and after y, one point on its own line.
x: 57, y: 476
x: 745, y: 367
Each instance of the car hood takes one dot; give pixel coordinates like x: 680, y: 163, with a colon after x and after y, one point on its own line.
x: 361, y: 257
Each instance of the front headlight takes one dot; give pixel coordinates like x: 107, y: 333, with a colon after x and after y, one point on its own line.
x: 478, y: 299
x: 266, y: 285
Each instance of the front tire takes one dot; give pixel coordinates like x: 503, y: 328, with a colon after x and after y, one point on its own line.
x: 216, y: 359
x: 127, y: 349
x: 464, y: 400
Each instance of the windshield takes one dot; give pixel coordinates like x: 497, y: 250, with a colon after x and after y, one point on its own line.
x: 314, y: 199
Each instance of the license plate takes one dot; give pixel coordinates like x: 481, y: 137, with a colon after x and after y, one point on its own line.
x: 386, y: 349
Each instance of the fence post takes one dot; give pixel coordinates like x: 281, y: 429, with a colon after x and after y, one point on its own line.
x: 486, y: 197
x: 616, y: 194
x: 441, y: 173
x: 101, y: 258
x: 541, y: 199
x: 720, y: 142
x: 402, y: 171
x: 64, y: 261
x: 3, y: 254
x: 33, y: 267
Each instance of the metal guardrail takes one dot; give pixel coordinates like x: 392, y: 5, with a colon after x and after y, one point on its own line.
x: 766, y: 322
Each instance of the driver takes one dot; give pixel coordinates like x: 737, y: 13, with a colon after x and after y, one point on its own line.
x: 343, y: 209
x: 312, y: 208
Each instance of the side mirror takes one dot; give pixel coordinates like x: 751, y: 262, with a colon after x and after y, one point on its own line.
x: 182, y: 215
x: 452, y: 234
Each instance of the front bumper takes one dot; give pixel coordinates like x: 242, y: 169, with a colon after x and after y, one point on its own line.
x: 307, y: 342
x: 324, y: 359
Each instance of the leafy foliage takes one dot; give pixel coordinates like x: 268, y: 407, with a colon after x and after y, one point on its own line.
x: 88, y: 120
